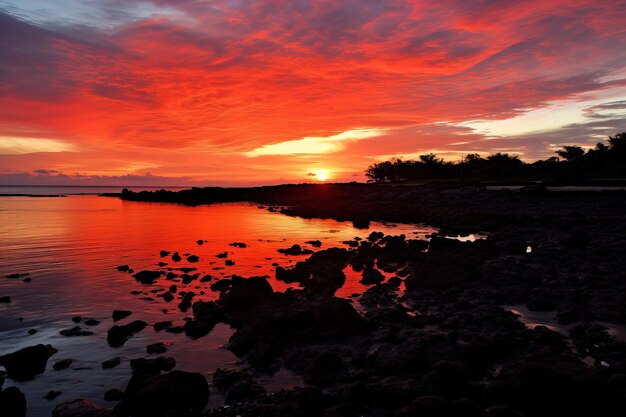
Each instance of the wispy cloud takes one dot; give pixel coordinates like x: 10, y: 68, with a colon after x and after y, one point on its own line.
x: 316, y: 145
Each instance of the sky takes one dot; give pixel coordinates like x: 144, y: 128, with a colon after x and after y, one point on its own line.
x: 249, y: 92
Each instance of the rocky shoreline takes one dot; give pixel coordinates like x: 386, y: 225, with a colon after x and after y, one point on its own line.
x: 434, y: 339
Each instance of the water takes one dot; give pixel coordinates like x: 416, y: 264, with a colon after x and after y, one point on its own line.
x: 39, y: 190
x: 71, y: 246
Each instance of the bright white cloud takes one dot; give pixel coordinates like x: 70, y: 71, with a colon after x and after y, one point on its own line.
x: 316, y: 145
x: 17, y: 146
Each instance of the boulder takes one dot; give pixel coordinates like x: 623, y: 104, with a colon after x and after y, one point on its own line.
x: 12, y: 403
x: 24, y: 364
x: 117, y: 335
x: 147, y: 276
x: 174, y: 393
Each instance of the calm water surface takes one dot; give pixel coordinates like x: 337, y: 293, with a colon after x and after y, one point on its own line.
x: 71, y: 246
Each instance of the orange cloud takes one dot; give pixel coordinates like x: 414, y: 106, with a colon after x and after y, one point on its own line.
x: 191, y: 89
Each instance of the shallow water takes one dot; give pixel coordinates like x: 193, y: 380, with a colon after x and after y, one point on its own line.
x: 71, y: 247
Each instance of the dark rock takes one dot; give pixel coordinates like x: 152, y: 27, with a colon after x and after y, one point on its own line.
x: 167, y: 296
x: 193, y: 258
x: 120, y: 314
x: 75, y: 331
x: 222, y: 255
x: 171, y: 275
x: 62, y: 364
x: 185, y: 303
x: 32, y: 331
x: 81, y: 408
x: 245, y: 292
x: 238, y: 245
x: 12, y: 403
x: 111, y: 363
x: 160, y: 325
x: 123, y: 268
x: 117, y: 335
x: 164, y: 253
x: 295, y: 250
x: 147, y: 276
x: 5, y: 299
x: 113, y: 394
x: 51, y: 395
x: 221, y: 285
x: 24, y: 364
x: 155, y: 365
x: 174, y: 393
x: 92, y: 322
x: 154, y: 348
x: 13, y: 276
x: 176, y: 257
x: 372, y: 276
x: 229, y: 262
x: 206, y: 278
x: 314, y: 243
x: 200, y: 242
x: 325, y: 369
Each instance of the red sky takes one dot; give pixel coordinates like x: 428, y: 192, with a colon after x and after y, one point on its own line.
x: 237, y: 92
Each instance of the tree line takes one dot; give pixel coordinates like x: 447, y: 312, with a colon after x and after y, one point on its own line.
x: 605, y: 160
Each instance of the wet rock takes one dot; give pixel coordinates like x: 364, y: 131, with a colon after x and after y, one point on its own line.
x: 6, y: 299
x: 160, y: 325
x: 561, y: 388
x: 24, y: 364
x: 161, y: 264
x: 176, y: 257
x: 32, y: 331
x: 167, y: 296
x: 113, y: 394
x: 155, y: 365
x: 193, y: 258
x: 155, y: 348
x: 326, y: 369
x: 51, y: 395
x: 120, y: 314
x: 14, y: 276
x: 75, y: 332
x: 171, y: 275
x: 238, y: 245
x: 185, y: 303
x: 375, y: 236
x: 206, y: 278
x: 123, y: 268
x: 372, y: 276
x: 92, y: 322
x: 222, y: 255
x: 200, y: 242
x: 111, y: 363
x: 117, y: 335
x: 174, y: 393
x: 62, y: 364
x: 295, y: 250
x: 314, y: 243
x: 77, y: 319
x: 229, y: 262
x: 164, y: 253
x: 188, y: 278
x: 81, y: 408
x: 245, y: 292
x: 221, y: 285
x: 147, y: 277
x: 12, y: 402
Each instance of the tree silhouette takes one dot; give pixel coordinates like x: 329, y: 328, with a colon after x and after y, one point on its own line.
x: 570, y: 153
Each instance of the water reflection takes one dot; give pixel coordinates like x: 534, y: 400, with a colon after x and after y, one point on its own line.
x: 71, y: 247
